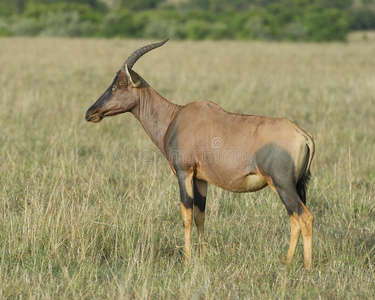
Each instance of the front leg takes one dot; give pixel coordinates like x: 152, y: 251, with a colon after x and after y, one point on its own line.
x: 185, y: 182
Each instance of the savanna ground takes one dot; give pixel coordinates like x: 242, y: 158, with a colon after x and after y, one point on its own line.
x: 92, y: 210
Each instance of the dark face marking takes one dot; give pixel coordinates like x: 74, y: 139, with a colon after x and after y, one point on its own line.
x: 91, y: 115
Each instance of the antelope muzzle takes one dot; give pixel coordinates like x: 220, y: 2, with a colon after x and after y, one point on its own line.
x: 92, y: 115
x: 95, y: 113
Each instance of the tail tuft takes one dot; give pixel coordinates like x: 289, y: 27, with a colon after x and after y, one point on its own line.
x: 304, y: 180
x: 302, y: 186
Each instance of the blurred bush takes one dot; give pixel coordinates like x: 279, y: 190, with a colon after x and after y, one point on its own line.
x: 330, y: 24
x: 27, y: 27
x: 85, y: 11
x: 140, y: 4
x: 68, y: 24
x: 159, y: 29
x: 363, y: 19
x: 294, y: 20
x: 296, y: 31
x: 6, y: 9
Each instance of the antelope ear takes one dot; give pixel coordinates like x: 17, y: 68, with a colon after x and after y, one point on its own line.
x: 134, y: 77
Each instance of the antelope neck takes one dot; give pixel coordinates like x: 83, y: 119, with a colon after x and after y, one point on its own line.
x: 155, y: 114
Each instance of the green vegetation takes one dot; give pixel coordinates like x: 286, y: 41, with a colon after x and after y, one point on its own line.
x: 91, y: 211
x: 291, y: 20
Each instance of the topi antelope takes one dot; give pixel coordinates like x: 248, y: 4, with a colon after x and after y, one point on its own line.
x: 204, y: 143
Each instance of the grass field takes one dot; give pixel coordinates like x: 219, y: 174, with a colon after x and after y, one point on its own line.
x: 92, y: 210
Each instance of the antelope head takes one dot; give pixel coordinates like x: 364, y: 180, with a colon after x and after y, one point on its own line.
x: 123, y: 94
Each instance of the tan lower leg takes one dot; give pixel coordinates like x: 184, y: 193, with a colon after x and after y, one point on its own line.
x: 199, y: 221
x: 187, y: 219
x: 295, y: 232
x: 306, y: 221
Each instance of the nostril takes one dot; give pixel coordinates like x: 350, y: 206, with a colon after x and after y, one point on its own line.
x: 87, y: 117
x: 90, y: 112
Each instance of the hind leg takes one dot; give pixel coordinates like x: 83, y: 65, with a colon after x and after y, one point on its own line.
x: 306, y: 221
x: 200, y: 192
x: 278, y: 169
x: 295, y: 231
x: 301, y: 220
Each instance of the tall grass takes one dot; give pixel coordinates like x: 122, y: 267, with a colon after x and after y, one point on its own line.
x: 92, y: 211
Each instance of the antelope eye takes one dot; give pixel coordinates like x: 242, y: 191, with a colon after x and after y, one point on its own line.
x: 120, y: 83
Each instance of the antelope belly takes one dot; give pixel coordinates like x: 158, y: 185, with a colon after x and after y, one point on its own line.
x: 250, y: 183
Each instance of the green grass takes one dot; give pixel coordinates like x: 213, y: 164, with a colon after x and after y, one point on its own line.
x: 92, y: 210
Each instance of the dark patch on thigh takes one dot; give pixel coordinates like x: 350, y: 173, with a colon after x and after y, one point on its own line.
x: 276, y: 163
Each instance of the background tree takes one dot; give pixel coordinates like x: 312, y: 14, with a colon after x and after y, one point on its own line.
x: 140, y: 4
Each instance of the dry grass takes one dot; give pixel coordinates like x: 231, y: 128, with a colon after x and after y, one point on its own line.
x: 91, y: 211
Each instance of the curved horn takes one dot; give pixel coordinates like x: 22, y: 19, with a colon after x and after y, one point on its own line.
x: 141, y: 51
